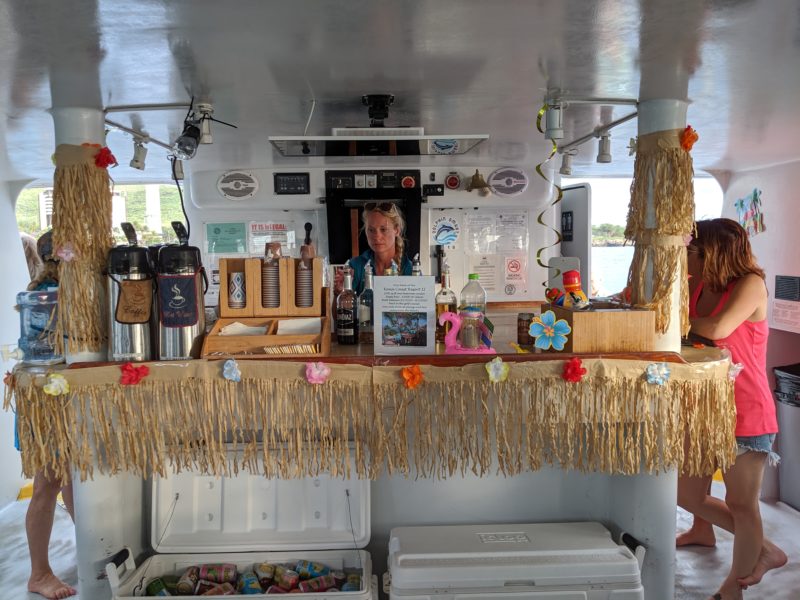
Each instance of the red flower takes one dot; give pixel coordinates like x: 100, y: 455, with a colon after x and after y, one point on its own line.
x: 104, y: 158
x: 573, y: 370
x: 132, y: 375
x: 688, y: 137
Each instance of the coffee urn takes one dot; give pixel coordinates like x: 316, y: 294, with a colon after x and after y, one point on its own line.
x: 130, y: 300
x: 181, y: 310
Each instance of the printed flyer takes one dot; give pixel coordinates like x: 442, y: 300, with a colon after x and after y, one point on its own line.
x: 405, y: 315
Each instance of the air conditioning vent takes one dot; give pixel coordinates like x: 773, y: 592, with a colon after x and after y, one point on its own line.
x: 787, y: 288
x: 377, y: 131
x: 237, y: 185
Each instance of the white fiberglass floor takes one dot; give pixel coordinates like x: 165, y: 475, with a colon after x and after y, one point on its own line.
x: 699, y: 570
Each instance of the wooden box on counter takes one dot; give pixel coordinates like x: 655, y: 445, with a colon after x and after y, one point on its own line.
x: 607, y: 328
x: 269, y: 345
x: 316, y: 309
x: 254, y: 275
x: 236, y: 265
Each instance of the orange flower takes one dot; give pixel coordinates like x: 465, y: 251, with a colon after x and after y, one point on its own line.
x: 412, y: 376
x: 688, y: 137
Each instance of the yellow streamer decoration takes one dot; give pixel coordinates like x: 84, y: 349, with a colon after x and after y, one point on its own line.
x: 559, y: 196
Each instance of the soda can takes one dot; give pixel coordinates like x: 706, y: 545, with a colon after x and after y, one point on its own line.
x: 309, y: 570
x: 221, y: 589
x: 317, y: 584
x: 248, y: 584
x: 203, y: 586
x: 286, y: 578
x: 339, y: 577
x: 156, y: 587
x: 265, y: 573
x: 171, y: 583
x: 218, y: 573
x: 275, y: 589
x: 188, y: 581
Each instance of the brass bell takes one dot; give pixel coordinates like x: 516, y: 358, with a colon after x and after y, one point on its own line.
x: 479, y: 183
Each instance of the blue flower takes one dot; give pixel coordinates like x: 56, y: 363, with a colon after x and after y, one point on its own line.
x: 657, y: 373
x: 549, y: 332
x: 231, y: 372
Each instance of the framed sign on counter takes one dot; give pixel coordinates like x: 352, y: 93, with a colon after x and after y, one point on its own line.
x: 405, y: 315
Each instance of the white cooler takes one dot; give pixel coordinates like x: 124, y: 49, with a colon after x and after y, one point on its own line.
x: 544, y: 561
x: 247, y: 520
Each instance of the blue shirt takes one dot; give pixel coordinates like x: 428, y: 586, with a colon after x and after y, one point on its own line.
x: 359, y: 263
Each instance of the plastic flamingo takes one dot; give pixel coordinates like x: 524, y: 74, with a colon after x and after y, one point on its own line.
x: 451, y: 345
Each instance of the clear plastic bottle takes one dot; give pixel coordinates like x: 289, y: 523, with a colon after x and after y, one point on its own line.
x: 473, y: 296
x: 416, y: 266
x: 347, y: 311
x: 365, y: 314
x: 37, y: 316
x: 446, y: 301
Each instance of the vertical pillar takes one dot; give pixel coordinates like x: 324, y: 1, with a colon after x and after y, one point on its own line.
x: 152, y: 213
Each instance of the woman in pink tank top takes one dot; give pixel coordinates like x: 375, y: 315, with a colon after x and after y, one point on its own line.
x: 729, y: 305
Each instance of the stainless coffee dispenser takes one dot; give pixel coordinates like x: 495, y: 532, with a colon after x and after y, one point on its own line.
x: 130, y: 300
x: 181, y: 310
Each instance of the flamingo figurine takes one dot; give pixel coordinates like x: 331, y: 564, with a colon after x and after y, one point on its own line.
x: 451, y: 345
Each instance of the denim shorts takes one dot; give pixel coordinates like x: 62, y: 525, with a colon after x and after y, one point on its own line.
x: 758, y: 443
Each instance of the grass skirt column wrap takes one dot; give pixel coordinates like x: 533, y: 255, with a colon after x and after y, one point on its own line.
x: 664, y: 169
x: 187, y: 416
x: 82, y: 227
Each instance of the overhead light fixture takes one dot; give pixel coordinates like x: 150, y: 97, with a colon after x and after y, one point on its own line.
x: 566, y: 163
x: 604, y: 148
x: 139, y: 154
x: 479, y: 183
x: 205, y: 111
x: 554, y: 128
x: 196, y: 130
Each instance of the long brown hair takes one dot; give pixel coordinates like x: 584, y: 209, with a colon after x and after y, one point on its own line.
x: 726, y: 252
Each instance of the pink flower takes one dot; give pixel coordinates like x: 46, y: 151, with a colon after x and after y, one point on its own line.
x: 317, y: 372
x: 66, y: 252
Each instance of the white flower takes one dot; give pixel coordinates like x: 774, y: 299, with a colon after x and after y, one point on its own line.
x: 56, y: 385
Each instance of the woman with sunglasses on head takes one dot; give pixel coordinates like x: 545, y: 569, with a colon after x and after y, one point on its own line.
x: 384, y: 226
x: 729, y: 305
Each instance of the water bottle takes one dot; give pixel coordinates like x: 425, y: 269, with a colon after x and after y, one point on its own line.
x: 37, y: 315
x: 471, y: 312
x: 473, y: 296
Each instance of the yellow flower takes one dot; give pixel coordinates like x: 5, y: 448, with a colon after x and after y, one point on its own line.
x: 56, y: 385
x: 497, y: 369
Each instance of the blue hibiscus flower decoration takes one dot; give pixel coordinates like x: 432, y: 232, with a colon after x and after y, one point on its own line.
x: 231, y: 372
x: 657, y: 373
x: 549, y: 332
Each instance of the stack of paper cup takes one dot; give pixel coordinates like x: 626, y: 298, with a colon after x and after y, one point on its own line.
x: 304, y: 286
x: 270, y: 284
x: 236, y: 291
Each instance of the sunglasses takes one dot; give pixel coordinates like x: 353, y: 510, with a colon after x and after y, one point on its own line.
x: 382, y: 206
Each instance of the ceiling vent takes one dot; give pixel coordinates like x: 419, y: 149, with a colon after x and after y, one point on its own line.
x: 237, y: 185
x: 508, y: 181
x: 373, y: 131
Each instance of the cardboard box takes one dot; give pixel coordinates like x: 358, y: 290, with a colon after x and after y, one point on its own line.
x: 269, y: 345
x: 607, y: 329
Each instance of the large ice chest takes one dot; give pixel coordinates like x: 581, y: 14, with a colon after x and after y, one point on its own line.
x: 542, y: 561
x: 250, y: 519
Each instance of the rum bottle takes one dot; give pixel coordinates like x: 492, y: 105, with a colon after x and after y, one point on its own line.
x: 365, y: 311
x: 347, y: 311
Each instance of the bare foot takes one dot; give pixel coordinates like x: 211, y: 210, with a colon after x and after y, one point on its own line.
x: 771, y: 557
x: 51, y: 587
x: 697, y: 536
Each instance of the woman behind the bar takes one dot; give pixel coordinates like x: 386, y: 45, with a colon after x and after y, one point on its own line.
x: 729, y: 305
x: 384, y: 226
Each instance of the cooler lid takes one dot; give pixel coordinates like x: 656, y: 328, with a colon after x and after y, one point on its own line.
x: 203, y: 513
x: 515, y: 556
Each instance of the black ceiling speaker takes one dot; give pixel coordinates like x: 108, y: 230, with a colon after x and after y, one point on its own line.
x: 378, y: 105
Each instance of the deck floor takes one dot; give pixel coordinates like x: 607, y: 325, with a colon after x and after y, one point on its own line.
x: 699, y: 570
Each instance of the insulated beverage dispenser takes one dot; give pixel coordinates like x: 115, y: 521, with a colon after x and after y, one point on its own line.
x: 130, y: 300
x: 181, y: 311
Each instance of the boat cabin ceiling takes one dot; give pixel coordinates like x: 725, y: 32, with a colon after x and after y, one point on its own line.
x: 453, y: 66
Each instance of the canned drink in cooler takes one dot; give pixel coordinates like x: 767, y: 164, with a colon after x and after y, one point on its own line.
x: 265, y: 573
x: 308, y: 570
x: 286, y: 578
x: 218, y: 573
x: 353, y: 583
x: 203, y: 586
x: 156, y: 587
x: 221, y: 589
x: 317, y: 584
x: 188, y: 581
x: 171, y: 583
x: 276, y: 589
x: 248, y: 584
x: 339, y: 577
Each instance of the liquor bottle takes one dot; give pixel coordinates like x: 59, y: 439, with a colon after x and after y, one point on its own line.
x: 347, y: 311
x: 446, y: 301
x: 365, y: 315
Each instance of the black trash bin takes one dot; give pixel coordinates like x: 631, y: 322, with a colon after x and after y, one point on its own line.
x: 787, y: 392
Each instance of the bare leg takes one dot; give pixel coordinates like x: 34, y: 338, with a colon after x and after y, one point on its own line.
x: 38, y: 526
x: 701, y: 533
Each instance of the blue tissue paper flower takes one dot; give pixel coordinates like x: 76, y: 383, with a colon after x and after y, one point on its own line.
x: 657, y: 373
x: 231, y: 372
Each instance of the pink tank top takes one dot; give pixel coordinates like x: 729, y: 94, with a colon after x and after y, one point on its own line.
x: 755, y: 407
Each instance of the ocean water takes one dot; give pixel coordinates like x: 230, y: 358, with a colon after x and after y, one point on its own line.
x: 610, y: 266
